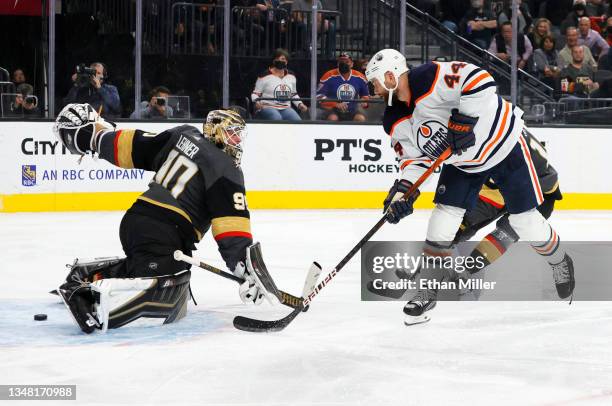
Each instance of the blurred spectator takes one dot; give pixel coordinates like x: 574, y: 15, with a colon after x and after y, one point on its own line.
x: 361, y: 65
x: 301, y: 10
x: 556, y: 11
x: 426, y: 6
x: 578, y: 10
x: 90, y: 87
x: 605, y: 62
x: 571, y: 40
x: 25, y: 104
x: 344, y: 83
x: 524, y: 17
x: 478, y: 25
x: 608, y: 31
x: 502, y: 43
x: 595, y: 7
x: 157, y: 107
x: 452, y: 12
x: 18, y: 77
x: 591, y: 38
x: 578, y: 74
x: 542, y: 29
x: 275, y: 20
x: 200, y: 23
x: 546, y: 61
x: 280, y: 84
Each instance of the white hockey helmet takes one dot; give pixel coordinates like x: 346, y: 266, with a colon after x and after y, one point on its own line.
x: 386, y: 60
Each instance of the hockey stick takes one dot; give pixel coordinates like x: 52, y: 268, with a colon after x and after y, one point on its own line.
x: 284, y: 297
x: 262, y: 326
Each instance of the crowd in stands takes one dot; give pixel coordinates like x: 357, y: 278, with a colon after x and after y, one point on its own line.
x: 564, y: 43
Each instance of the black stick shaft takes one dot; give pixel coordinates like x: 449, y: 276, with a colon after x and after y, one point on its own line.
x: 382, y: 221
x: 376, y: 227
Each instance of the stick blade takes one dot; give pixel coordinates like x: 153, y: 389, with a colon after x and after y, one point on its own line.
x: 264, y: 326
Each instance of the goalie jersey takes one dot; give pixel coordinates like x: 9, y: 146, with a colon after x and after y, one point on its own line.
x: 418, y: 128
x: 196, y: 185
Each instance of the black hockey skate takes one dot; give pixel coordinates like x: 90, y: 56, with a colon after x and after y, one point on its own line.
x: 90, y: 270
x: 416, y: 309
x: 563, y: 273
x: 80, y: 301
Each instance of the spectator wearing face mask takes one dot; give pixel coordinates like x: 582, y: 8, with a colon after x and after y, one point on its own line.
x: 478, y: 25
x: 279, y: 84
x: 343, y: 83
x: 578, y: 10
x: 591, y: 39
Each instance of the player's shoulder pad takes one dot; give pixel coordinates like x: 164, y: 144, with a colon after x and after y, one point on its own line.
x: 394, y: 114
x: 422, y: 79
x: 216, y: 164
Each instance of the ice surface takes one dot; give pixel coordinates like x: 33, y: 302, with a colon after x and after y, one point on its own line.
x: 341, y: 352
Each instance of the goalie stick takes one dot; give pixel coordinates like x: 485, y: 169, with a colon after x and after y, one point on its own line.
x: 285, y: 298
x: 254, y: 325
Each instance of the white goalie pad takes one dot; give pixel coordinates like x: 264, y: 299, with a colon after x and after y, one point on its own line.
x: 115, y: 293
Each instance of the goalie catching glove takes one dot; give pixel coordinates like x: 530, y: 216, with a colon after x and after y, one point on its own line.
x: 395, y: 206
x: 78, y: 127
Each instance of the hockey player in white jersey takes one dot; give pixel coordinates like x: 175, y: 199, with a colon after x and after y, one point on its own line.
x: 455, y: 104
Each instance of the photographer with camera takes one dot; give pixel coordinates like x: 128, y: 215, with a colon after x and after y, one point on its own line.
x: 90, y: 87
x: 25, y: 104
x: 157, y: 107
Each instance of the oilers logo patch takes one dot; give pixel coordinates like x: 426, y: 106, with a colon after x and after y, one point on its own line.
x: 346, y: 91
x: 282, y: 91
x: 432, y: 138
x: 28, y: 175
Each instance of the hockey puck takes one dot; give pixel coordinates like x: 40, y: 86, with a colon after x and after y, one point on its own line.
x: 40, y: 317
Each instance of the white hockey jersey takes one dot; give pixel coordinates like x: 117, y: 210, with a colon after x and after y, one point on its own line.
x: 283, y: 89
x: 418, y: 128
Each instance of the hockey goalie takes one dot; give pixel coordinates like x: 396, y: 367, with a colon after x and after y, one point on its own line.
x: 198, y: 185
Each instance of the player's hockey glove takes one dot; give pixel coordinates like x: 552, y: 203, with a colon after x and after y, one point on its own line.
x: 395, y: 206
x: 249, y: 290
x: 77, y: 126
x: 461, y: 132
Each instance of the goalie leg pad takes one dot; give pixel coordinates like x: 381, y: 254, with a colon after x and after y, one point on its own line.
x: 125, y: 300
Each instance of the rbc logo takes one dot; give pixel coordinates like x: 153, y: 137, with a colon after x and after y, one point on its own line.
x: 346, y: 92
x: 282, y: 91
x: 28, y: 175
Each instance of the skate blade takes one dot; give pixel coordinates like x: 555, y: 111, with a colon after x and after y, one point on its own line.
x: 412, y: 320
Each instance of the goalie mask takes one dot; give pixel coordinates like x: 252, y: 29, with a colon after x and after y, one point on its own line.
x: 227, y: 130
